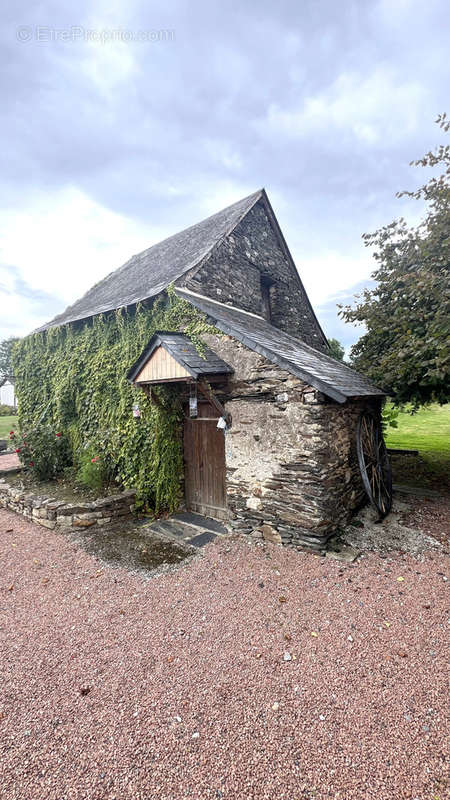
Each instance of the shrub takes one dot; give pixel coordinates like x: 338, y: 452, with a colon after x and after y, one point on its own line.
x: 46, y: 451
x: 7, y: 411
x: 92, y: 471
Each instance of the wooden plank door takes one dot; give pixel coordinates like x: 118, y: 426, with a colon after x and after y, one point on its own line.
x: 204, y: 461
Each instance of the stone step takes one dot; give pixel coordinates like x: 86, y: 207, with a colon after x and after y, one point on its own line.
x: 173, y: 529
x: 198, y: 521
x: 188, y: 529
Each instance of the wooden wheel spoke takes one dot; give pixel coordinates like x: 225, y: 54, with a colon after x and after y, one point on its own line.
x: 374, y: 463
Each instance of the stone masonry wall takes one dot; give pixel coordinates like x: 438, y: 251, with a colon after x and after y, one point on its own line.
x: 292, y: 470
x: 53, y: 514
x: 232, y: 274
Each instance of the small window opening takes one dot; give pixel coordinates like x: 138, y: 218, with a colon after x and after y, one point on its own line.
x: 266, y: 310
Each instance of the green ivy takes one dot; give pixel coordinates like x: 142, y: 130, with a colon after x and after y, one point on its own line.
x: 74, y: 378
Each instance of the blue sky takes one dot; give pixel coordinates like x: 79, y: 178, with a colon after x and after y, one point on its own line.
x: 124, y: 122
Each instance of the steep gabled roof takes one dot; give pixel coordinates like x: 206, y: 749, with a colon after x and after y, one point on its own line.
x: 324, y: 373
x: 185, y: 353
x: 147, y: 274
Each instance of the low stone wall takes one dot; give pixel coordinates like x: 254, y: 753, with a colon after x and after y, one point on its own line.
x: 51, y: 513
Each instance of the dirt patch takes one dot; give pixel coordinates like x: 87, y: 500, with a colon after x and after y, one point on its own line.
x: 431, y: 516
x: 415, y: 525
x: 425, y: 470
x: 131, y: 545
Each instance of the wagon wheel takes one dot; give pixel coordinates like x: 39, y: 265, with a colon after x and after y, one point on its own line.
x: 374, y: 463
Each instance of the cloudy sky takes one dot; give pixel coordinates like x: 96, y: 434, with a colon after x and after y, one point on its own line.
x: 123, y: 122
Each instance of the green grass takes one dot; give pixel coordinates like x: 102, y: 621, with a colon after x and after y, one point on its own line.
x: 7, y: 424
x: 427, y: 431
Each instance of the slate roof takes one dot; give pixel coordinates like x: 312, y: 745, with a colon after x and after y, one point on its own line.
x: 184, y: 351
x: 326, y: 374
x: 150, y: 272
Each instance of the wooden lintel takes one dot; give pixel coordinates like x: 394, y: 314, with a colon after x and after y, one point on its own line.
x: 209, y: 394
x: 156, y: 382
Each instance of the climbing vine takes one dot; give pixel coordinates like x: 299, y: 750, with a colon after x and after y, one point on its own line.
x: 74, y: 377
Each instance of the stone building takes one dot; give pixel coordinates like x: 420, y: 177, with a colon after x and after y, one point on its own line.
x: 270, y: 418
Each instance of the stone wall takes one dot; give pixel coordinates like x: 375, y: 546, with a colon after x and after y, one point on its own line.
x: 292, y: 470
x: 51, y: 513
x: 232, y: 274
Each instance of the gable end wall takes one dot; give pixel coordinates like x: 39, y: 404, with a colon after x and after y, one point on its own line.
x: 232, y: 274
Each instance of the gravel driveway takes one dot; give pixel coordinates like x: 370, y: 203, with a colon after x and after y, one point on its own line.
x: 247, y: 673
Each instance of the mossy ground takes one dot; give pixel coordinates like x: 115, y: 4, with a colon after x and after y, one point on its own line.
x: 64, y: 488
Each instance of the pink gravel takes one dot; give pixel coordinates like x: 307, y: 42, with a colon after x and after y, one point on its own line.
x: 115, y: 686
x: 11, y: 461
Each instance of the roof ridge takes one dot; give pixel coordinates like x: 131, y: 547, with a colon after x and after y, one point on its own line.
x: 255, y: 197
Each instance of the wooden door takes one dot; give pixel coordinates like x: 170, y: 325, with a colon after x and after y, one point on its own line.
x: 204, y: 460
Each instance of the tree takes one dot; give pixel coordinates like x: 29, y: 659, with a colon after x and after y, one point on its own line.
x: 406, y: 345
x: 336, y: 349
x: 6, y: 348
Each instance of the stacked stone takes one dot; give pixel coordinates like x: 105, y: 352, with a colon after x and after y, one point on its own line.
x: 232, y: 274
x: 51, y: 513
x: 292, y: 470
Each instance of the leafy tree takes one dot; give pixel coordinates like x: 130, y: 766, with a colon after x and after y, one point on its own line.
x: 5, y: 356
x: 406, y: 346
x: 336, y: 349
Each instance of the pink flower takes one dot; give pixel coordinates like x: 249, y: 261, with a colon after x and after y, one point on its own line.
x: 93, y: 460
x: 17, y: 449
x: 58, y: 435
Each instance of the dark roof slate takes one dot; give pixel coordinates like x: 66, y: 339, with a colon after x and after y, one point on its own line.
x: 324, y: 373
x: 184, y: 351
x: 147, y: 274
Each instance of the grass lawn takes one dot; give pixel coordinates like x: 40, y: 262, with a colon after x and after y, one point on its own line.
x: 7, y: 424
x: 428, y: 431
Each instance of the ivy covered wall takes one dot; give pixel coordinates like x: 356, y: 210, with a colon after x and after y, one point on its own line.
x: 74, y: 377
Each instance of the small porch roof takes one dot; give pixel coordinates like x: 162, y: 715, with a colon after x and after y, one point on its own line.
x: 182, y: 350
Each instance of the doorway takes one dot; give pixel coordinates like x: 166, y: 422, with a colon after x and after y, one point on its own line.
x: 204, y: 463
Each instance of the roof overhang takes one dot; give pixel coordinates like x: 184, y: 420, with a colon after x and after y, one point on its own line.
x: 172, y: 357
x: 146, y: 356
x: 258, y: 335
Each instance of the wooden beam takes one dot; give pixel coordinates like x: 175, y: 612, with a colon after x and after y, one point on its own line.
x: 207, y: 392
x: 157, y: 381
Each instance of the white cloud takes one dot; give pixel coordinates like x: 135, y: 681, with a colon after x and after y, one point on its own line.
x: 60, y: 244
x: 329, y: 273
x: 220, y: 194
x: 63, y: 243
x: 19, y: 314
x: 380, y: 108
